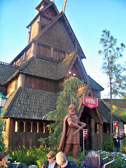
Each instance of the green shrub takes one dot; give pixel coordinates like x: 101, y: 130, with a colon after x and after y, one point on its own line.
x: 107, y: 144
x: 38, y: 156
x: 124, y: 146
x: 30, y: 156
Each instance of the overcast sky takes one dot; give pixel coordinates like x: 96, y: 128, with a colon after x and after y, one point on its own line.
x: 87, y: 18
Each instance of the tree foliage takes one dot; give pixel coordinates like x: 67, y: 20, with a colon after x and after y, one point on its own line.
x: 67, y: 96
x: 118, y: 111
x: 111, y: 65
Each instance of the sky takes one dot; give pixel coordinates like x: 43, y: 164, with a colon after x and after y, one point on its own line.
x: 87, y: 18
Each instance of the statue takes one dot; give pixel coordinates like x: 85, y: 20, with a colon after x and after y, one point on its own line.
x: 70, y: 140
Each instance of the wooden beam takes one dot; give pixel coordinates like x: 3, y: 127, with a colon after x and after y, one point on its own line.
x: 64, y: 5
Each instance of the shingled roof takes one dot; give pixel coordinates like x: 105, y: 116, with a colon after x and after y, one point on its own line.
x: 29, y: 104
x: 46, y: 68
x: 105, y: 112
x: 117, y: 102
x: 94, y: 85
x: 6, y: 71
x: 69, y: 29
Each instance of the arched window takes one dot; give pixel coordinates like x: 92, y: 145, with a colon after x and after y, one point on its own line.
x: 28, y: 127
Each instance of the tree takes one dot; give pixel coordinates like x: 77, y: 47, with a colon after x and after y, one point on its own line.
x: 67, y: 96
x: 115, y: 71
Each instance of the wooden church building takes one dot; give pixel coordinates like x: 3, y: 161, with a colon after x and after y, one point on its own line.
x: 33, y: 80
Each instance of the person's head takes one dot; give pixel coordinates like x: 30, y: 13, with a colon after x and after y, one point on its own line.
x: 71, y: 109
x: 93, y: 153
x: 61, y: 158
x: 51, y: 156
x: 3, y: 157
x: 93, y: 159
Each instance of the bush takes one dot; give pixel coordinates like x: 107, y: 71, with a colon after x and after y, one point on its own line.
x: 107, y: 144
x: 124, y: 146
x: 119, y: 159
x: 30, y: 156
x: 38, y: 156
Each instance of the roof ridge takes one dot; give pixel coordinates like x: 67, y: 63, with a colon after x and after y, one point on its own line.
x: 3, y: 63
x: 90, y: 78
x: 7, y: 64
x: 48, y: 26
x: 22, y: 67
x: 13, y: 99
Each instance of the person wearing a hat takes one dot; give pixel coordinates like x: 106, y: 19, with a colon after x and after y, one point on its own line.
x: 51, y: 162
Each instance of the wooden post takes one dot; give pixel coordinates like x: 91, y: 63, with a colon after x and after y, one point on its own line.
x: 64, y: 5
x: 83, y: 143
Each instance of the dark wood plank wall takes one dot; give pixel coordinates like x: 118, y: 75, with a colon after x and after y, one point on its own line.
x: 41, y: 84
x: 50, y: 53
x: 27, y: 138
x: 43, y: 51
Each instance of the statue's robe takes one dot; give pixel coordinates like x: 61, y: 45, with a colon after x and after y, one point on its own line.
x: 67, y: 133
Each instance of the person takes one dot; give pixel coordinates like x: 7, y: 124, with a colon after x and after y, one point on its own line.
x: 70, y: 139
x: 93, y: 160
x: 116, y: 141
x: 63, y: 162
x: 3, y: 160
x: 51, y: 163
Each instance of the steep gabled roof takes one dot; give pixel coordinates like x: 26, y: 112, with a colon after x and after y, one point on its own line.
x: 45, y: 68
x: 51, y: 4
x: 80, y: 65
x: 69, y: 29
x: 117, y: 102
x: 51, y: 69
x: 27, y: 103
x: 105, y: 112
x: 40, y: 68
x: 6, y: 71
x: 94, y: 85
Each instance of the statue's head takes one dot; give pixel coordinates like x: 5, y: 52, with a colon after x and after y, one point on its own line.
x: 71, y: 109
